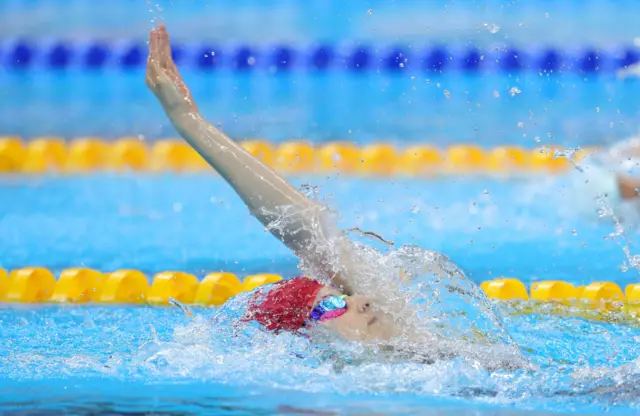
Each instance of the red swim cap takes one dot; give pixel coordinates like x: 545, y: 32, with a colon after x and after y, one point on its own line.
x: 286, y: 306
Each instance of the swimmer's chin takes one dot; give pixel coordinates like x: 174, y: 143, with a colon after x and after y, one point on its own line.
x: 373, y: 321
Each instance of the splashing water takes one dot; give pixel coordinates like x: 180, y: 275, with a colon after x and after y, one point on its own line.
x: 156, y: 11
x: 434, y: 311
x: 596, y: 168
x: 606, y: 210
x: 513, y: 91
x: 491, y: 28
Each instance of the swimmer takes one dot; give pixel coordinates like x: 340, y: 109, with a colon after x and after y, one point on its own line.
x: 337, y: 306
x: 291, y: 304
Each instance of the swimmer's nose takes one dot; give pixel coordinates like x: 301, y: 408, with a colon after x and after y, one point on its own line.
x: 361, y: 304
x: 365, y: 307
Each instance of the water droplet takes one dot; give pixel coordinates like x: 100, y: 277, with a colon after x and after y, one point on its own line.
x: 415, y: 209
x: 485, y: 192
x: 597, y: 109
x: 401, y: 65
x: 537, y: 139
x: 427, y: 80
x: 492, y: 27
x: 546, y: 15
x: 496, y: 94
x: 574, y: 232
x: 514, y: 91
x: 447, y: 94
x: 251, y: 61
x: 520, y: 124
x: 369, y: 12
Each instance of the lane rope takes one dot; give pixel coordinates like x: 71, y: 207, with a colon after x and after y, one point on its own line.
x: 605, y: 301
x: 91, y: 154
x: 60, y: 54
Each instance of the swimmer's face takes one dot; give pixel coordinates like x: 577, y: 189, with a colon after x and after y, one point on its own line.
x: 360, y: 322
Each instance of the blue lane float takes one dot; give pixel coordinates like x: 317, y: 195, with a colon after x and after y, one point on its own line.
x: 60, y: 55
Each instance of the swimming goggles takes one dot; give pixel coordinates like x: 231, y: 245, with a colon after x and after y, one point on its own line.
x: 330, y: 307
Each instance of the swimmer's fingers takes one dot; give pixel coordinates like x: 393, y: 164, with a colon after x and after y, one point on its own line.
x: 154, y: 42
x: 165, y: 52
x: 153, y: 70
x: 169, y: 66
x: 159, y: 49
x: 159, y: 56
x: 164, y: 48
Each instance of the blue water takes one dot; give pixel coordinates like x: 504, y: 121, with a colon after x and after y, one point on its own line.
x: 65, y: 360
x: 521, y: 228
x: 403, y: 108
x: 542, y: 22
x: 82, y: 359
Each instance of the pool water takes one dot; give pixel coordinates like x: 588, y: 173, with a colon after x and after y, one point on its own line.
x: 526, y: 228
x: 105, y: 360
x: 407, y: 107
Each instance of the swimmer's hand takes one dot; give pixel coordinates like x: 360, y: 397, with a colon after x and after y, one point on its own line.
x: 163, y: 78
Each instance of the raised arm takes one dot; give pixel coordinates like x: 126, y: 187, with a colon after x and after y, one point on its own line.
x: 300, y: 223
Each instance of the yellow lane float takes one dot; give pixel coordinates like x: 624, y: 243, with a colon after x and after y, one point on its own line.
x: 599, y: 300
x: 93, y: 154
